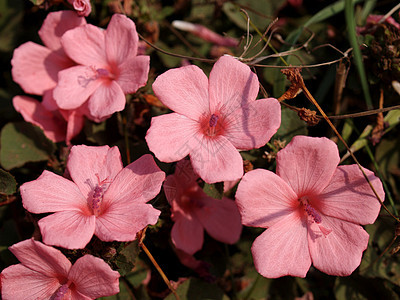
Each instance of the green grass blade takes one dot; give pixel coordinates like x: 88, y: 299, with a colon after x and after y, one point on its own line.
x: 351, y: 28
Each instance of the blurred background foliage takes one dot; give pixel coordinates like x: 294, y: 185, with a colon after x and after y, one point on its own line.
x: 321, y: 33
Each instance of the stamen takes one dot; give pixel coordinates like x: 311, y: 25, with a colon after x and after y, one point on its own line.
x: 97, y: 196
x: 61, y: 292
x: 312, y: 213
x: 213, y: 120
x: 315, y: 218
x: 102, y: 73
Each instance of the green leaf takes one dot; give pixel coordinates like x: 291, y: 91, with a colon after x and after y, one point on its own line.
x: 387, y: 267
x: 37, y: 2
x: 214, y: 190
x: 126, y: 258
x: 293, y: 37
x: 260, y: 19
x: 196, y: 289
x: 291, y: 125
x: 23, y: 142
x: 351, y: 28
x: 392, y: 119
x: 10, y: 19
x: 139, y: 274
x: 8, y: 185
x: 388, y: 156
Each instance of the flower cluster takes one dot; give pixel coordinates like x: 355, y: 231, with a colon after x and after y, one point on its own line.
x: 82, y: 71
x: 312, y: 208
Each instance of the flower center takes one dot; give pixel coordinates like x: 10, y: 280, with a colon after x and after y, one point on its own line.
x: 84, y: 80
x: 212, y: 126
x: 97, y: 195
x: 61, y: 292
x: 314, y: 217
x: 312, y: 213
x: 103, y: 73
x: 213, y: 120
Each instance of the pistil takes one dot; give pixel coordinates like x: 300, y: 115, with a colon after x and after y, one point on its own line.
x: 314, y: 216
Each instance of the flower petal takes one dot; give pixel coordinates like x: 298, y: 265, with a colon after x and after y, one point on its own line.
x: 282, y: 249
x: 75, y: 85
x: 338, y: 253
x: 133, y: 74
x: 263, y: 198
x: 216, y: 159
x: 53, y: 125
x: 86, y: 46
x: 187, y: 234
x: 56, y: 24
x: 67, y: 229
x: 307, y: 164
x: 184, y: 90
x: 41, y: 258
x: 52, y: 193
x: 123, y: 222
x: 220, y: 218
x: 88, y: 165
x: 183, y: 178
x: 349, y: 197
x: 75, y: 123
x: 94, y: 278
x: 35, y: 67
x: 107, y: 99
x: 138, y: 182
x: 252, y: 126
x: 170, y: 136
x: 121, y: 39
x: 232, y: 85
x: 19, y: 282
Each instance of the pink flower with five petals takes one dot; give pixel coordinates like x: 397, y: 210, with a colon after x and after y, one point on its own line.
x: 109, y: 68
x: 213, y: 118
x: 312, y: 208
x: 193, y: 211
x: 45, y: 273
x: 103, y: 198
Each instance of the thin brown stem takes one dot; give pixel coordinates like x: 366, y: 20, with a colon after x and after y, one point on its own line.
x: 140, y: 237
x: 347, y: 116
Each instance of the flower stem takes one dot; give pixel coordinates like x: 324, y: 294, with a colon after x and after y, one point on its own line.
x: 156, y: 265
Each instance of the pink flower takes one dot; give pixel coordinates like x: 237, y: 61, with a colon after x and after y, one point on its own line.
x: 312, y: 209
x: 36, y: 68
x: 82, y: 7
x: 108, y: 68
x: 102, y: 199
x: 206, y: 34
x: 45, y: 273
x: 57, y: 125
x: 193, y: 211
x: 213, y: 117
